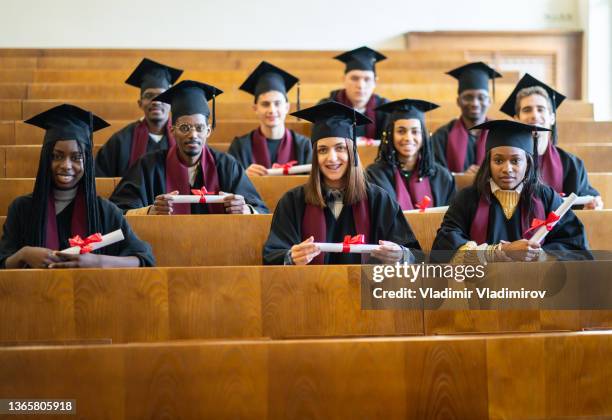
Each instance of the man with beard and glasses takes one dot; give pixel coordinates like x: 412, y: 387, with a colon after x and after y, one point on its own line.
x: 455, y: 145
x: 151, y: 132
x: 149, y: 185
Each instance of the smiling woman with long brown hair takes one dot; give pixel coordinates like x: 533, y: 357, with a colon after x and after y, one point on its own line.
x: 337, y: 201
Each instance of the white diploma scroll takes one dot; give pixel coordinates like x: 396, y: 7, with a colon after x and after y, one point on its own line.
x: 582, y: 200
x: 296, y: 169
x: 194, y: 199
x: 441, y: 209
x: 108, y: 239
x: 563, y: 208
x: 353, y: 249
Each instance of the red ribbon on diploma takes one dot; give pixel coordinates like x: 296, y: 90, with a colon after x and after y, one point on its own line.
x: 425, y: 202
x: 550, y: 221
x: 355, y: 240
x: 84, y: 244
x: 368, y: 141
x: 285, y: 166
x: 202, y: 193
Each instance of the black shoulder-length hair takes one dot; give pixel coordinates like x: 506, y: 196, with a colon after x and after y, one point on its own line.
x: 387, y: 153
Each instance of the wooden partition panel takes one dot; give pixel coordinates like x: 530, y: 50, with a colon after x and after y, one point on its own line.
x: 195, y: 241
x: 231, y: 109
x: 191, y: 303
x: 516, y: 376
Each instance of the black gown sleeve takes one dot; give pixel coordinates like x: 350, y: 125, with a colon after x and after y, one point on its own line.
x: 568, y: 234
x: 239, y: 152
x: 132, y: 245
x: 113, y: 157
x: 233, y: 179
x: 439, y: 140
x: 575, y: 177
x: 285, y: 229
x: 454, y: 231
x: 303, y: 148
x: 13, y: 230
x: 378, y: 174
x: 135, y: 190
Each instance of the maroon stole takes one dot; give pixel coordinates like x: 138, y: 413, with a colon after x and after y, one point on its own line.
x: 551, y: 168
x: 78, y: 224
x: 261, y: 154
x: 140, y: 140
x: 369, y: 111
x: 456, y: 146
x: 177, y: 179
x: 313, y: 224
x: 416, y: 189
x: 480, y: 223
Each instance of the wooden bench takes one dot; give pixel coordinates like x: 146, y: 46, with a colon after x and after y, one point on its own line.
x: 159, y: 304
x: 20, y: 133
x: 510, y: 376
x: 232, y: 77
x: 184, y: 249
x: 310, y: 92
x: 227, y: 109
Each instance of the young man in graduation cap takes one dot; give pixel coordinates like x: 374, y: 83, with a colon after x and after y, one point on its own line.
x: 337, y: 201
x: 534, y: 102
x: 64, y: 203
x: 272, y: 142
x: 494, y: 217
x: 405, y: 166
x: 358, y: 93
x: 456, y: 146
x: 151, y: 132
x: 149, y: 185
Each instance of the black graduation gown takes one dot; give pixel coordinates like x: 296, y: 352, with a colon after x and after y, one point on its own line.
x: 575, y: 177
x: 114, y: 156
x: 14, y: 231
x: 442, y: 182
x: 567, y: 235
x: 387, y: 223
x: 381, y: 117
x: 439, y: 140
x: 146, y: 179
x: 241, y: 149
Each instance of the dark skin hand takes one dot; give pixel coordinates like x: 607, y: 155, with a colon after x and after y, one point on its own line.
x: 31, y: 256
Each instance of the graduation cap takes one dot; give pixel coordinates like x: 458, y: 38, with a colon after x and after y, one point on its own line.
x: 68, y: 122
x: 190, y: 97
x: 474, y: 76
x: 510, y: 133
x: 267, y: 77
x: 151, y: 74
x: 362, y: 58
x: 407, y: 108
x: 527, y: 81
x: 333, y: 119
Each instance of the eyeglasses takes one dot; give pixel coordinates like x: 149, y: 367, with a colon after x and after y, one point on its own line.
x: 186, y: 128
x: 59, y: 157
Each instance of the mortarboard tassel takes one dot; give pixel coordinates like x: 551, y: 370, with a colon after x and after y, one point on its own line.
x: 536, y: 138
x: 214, y: 120
x: 355, y: 155
x: 298, y: 98
x: 554, y: 112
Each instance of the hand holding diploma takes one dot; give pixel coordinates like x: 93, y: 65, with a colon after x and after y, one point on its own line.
x: 303, y: 253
